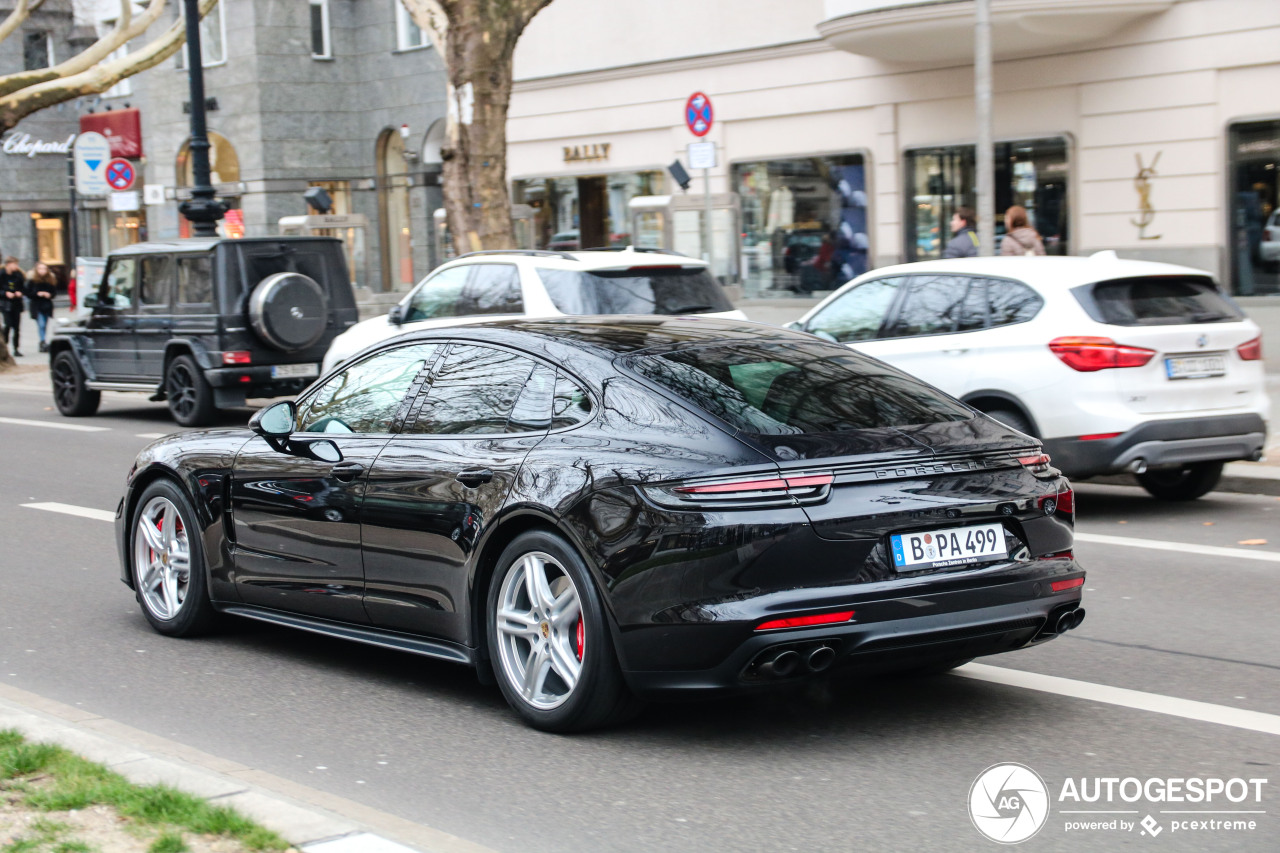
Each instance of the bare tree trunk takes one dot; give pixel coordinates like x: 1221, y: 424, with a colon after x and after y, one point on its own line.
x: 477, y: 39
x: 6, y: 360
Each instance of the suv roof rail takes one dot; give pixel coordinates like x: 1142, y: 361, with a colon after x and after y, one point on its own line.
x: 535, y: 252
x: 635, y: 249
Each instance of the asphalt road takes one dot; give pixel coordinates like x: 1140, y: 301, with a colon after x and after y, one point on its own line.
x: 871, y: 765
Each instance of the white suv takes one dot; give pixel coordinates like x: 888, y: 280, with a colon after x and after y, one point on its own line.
x: 1115, y: 365
x: 483, y: 286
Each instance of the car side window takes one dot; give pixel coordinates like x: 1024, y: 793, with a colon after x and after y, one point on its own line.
x: 491, y: 289
x: 532, y: 409
x: 155, y: 286
x: 117, y: 286
x: 195, y: 284
x: 438, y: 296
x: 858, y: 314
x: 571, y: 405
x: 1011, y: 302
x: 366, y: 397
x: 473, y: 391
x: 932, y: 304
x: 973, y: 310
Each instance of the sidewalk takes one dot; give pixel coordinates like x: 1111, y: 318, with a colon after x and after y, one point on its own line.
x: 309, y: 819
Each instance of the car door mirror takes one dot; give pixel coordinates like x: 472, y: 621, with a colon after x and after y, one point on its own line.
x: 275, y: 421
x: 795, y: 326
x: 90, y: 301
x: 396, y: 315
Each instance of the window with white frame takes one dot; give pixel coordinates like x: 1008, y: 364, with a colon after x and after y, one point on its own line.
x: 37, y: 50
x: 213, y: 38
x: 125, y: 87
x: 408, y: 34
x: 321, y: 44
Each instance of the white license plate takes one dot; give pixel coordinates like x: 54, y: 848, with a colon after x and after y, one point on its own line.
x: 293, y: 371
x: 954, y: 546
x: 1195, y: 366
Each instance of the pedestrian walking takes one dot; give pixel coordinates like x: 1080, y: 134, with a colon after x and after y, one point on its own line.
x: 42, y: 284
x: 964, y: 227
x: 13, y: 286
x: 1019, y: 237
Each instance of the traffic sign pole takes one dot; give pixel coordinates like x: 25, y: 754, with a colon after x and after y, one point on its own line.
x: 698, y: 117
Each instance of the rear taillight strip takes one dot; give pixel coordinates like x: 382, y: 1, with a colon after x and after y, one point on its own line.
x: 1088, y: 354
x: 1250, y: 350
x: 745, y: 493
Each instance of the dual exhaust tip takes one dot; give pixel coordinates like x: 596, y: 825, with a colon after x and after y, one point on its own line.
x: 782, y: 663
x: 1069, y: 620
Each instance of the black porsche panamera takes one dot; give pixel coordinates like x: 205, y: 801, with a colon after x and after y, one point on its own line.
x: 595, y: 510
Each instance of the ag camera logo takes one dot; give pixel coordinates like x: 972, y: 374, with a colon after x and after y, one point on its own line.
x: 1009, y: 803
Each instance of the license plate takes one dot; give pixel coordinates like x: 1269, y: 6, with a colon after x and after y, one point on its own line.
x: 1195, y: 366
x: 293, y: 371
x: 954, y: 546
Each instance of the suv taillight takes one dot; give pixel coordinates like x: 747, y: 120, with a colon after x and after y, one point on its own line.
x: 1251, y: 350
x: 1087, y: 354
x: 238, y: 357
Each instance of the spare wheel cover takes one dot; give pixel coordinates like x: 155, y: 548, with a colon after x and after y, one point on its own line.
x: 289, y: 311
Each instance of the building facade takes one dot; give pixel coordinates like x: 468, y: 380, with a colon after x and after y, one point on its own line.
x: 845, y: 131
x: 300, y: 93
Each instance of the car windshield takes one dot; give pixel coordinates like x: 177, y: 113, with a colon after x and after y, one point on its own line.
x: 797, y: 388
x: 1157, y: 301
x: 638, y: 290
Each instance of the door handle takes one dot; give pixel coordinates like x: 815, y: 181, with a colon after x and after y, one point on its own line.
x: 346, y: 471
x: 955, y: 351
x: 473, y: 477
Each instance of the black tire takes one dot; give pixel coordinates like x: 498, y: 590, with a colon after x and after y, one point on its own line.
x: 188, y: 612
x: 1012, y: 418
x: 1182, y: 484
x: 70, y: 395
x: 599, y: 696
x: 190, y: 397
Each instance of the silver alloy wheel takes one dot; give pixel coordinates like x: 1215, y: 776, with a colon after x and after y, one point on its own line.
x: 540, y: 631
x: 162, y: 558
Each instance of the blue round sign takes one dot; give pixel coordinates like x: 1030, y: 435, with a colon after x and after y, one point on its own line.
x: 698, y: 114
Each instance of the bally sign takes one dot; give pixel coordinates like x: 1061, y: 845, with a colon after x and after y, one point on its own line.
x: 598, y: 151
x: 22, y: 143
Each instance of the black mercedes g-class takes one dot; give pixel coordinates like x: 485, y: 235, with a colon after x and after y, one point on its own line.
x: 205, y: 323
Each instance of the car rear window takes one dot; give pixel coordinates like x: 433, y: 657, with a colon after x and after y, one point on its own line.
x: 1157, y: 301
x: 796, y: 388
x: 319, y: 260
x: 638, y: 290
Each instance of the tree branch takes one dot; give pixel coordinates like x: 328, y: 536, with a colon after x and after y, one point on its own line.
x: 17, y: 105
x: 14, y: 19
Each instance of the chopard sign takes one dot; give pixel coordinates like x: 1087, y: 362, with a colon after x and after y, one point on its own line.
x: 22, y: 143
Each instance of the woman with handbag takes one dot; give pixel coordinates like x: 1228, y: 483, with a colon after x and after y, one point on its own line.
x: 1019, y: 237
x: 42, y: 284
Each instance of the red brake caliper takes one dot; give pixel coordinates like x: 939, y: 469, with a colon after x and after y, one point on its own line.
x: 580, y: 636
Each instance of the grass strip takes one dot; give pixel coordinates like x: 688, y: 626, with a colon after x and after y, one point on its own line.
x: 68, y: 782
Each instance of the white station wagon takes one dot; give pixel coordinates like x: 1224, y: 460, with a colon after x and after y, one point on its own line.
x: 1116, y: 365
x: 482, y: 286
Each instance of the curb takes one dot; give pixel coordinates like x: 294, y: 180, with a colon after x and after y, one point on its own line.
x: 309, y: 819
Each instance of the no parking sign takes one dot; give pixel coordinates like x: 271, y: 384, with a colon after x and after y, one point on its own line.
x: 698, y: 114
x: 120, y: 174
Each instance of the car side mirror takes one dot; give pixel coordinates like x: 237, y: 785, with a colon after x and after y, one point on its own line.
x: 396, y: 315
x: 90, y: 301
x: 795, y: 326
x: 275, y: 421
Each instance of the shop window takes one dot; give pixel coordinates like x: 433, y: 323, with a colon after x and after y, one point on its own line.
x: 213, y: 38
x: 320, y: 32
x: 393, y: 208
x: 224, y: 174
x: 37, y: 51
x: 1254, y: 150
x: 584, y: 212
x: 804, y: 222
x: 408, y: 34
x: 1033, y: 173
x: 50, y: 240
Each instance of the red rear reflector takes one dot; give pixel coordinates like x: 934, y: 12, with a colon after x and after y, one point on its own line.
x: 239, y: 357
x: 1251, y: 350
x: 1087, y: 354
x: 245, y: 379
x: 802, y: 621
x: 1100, y: 436
x: 1034, y: 461
x: 1059, y: 586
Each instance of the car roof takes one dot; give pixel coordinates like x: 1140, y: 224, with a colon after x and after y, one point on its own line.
x: 1048, y: 272
x: 615, y: 335
x: 591, y: 259
x: 204, y: 244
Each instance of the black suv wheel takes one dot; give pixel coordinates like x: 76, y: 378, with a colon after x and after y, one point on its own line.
x: 72, y: 398
x: 190, y: 397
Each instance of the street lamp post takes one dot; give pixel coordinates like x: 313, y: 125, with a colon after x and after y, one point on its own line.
x: 202, y: 209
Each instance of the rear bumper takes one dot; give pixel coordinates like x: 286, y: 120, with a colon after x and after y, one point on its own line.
x: 255, y: 381
x: 954, y: 625
x: 1181, y: 441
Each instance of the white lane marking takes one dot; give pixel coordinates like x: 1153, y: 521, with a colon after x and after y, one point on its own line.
x: 69, y: 509
x: 362, y: 842
x: 54, y: 425
x: 1180, y: 547
x: 1239, y: 718
x: 152, y: 434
